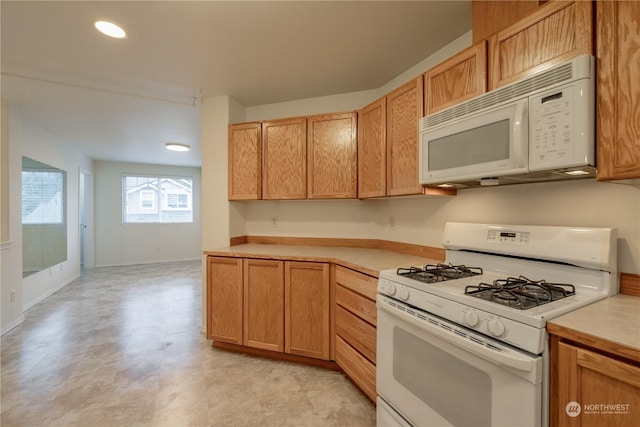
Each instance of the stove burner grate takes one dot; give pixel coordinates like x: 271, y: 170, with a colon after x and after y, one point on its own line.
x: 520, y: 292
x: 433, y: 273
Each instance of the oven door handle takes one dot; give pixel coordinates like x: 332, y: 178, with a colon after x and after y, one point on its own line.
x: 529, y: 365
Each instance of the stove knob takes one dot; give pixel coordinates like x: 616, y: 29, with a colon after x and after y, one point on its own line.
x: 496, y: 327
x: 390, y: 288
x: 403, y: 293
x: 471, y: 319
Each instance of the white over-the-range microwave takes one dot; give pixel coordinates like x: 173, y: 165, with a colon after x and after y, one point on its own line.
x: 541, y: 128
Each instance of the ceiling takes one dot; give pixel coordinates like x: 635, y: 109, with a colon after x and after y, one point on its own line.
x: 122, y: 100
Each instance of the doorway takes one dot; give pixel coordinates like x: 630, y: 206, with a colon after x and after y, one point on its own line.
x: 86, y: 219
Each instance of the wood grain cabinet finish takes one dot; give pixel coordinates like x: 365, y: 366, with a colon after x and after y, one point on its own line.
x: 491, y: 16
x: 618, y: 89
x: 461, y: 77
x: 264, y: 304
x: 554, y: 33
x: 588, y: 377
x: 224, y: 299
x: 361, y: 371
x: 332, y: 156
x: 372, y: 150
x: 404, y: 110
x: 307, y: 309
x: 245, y: 161
x: 355, y: 327
x: 284, y: 152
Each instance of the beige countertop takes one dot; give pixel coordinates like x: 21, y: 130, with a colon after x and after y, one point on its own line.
x: 370, y: 261
x: 611, y: 325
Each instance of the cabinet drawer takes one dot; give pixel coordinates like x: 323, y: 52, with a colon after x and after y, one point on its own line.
x: 357, y: 282
x: 359, y: 369
x: 357, y: 304
x: 356, y: 332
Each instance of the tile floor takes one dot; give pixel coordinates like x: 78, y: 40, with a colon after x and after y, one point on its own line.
x: 121, y: 346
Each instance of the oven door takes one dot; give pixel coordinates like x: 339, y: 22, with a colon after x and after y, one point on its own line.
x: 438, y: 373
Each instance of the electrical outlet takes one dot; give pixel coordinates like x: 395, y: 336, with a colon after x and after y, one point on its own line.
x: 392, y: 223
x: 13, y: 295
x: 274, y: 221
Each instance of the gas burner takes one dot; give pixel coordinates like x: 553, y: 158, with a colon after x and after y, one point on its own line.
x: 433, y: 273
x: 520, y: 292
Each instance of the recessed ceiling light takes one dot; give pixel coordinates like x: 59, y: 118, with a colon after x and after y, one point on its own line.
x: 110, y: 29
x: 176, y: 146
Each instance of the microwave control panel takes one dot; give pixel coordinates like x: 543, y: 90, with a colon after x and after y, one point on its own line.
x: 552, y: 126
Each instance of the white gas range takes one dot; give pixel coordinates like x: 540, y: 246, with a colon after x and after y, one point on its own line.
x: 477, y: 322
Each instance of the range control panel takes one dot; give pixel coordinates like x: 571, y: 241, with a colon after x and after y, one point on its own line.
x: 508, y: 237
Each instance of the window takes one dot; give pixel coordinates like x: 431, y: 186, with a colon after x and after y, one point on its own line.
x: 157, y: 199
x: 147, y: 199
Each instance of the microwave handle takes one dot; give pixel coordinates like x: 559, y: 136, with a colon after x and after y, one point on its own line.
x: 520, y: 132
x: 520, y: 362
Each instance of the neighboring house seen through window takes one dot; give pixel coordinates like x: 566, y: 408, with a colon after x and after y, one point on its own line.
x: 157, y: 199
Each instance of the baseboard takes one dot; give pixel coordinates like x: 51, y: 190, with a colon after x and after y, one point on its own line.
x: 50, y: 292
x: 127, y: 264
x: 12, y: 325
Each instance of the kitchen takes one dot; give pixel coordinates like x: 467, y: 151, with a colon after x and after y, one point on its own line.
x: 416, y: 221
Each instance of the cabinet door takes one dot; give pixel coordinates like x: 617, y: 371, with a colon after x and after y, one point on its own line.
x: 590, y: 378
x: 284, y: 145
x: 490, y: 16
x: 264, y: 304
x: 307, y: 309
x: 618, y: 89
x: 404, y: 110
x: 461, y: 77
x: 372, y: 150
x: 332, y: 156
x: 556, y: 32
x: 245, y: 161
x: 224, y: 299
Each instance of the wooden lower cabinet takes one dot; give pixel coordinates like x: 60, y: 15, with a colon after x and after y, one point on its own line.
x: 279, y: 306
x: 355, y: 326
x: 264, y: 304
x: 307, y: 309
x: 584, y: 382
x: 361, y: 371
x: 224, y: 299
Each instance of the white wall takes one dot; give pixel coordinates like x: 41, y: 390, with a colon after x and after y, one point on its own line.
x: 125, y: 244
x: 27, y: 139
x: 421, y: 220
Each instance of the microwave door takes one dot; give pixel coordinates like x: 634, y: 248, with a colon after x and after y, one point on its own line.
x: 488, y: 144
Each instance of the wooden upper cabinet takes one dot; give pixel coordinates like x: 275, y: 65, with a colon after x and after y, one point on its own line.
x: 461, y: 77
x: 307, y: 321
x: 372, y: 150
x: 332, y: 156
x: 224, y: 299
x: 404, y: 110
x: 263, y: 324
x: 556, y: 32
x: 491, y: 16
x: 618, y: 90
x: 245, y: 161
x: 284, y: 152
